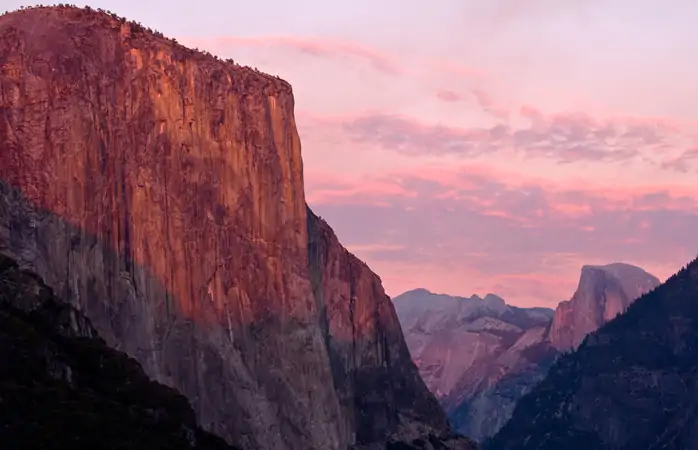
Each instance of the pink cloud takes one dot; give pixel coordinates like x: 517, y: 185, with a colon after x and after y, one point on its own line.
x: 459, y: 70
x: 491, y: 231
x: 325, y: 187
x: 685, y: 162
x: 562, y: 137
x: 329, y: 48
x: 448, y: 96
x: 571, y: 210
x: 488, y: 105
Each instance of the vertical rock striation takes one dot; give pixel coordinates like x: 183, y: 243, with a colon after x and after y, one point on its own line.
x: 161, y: 191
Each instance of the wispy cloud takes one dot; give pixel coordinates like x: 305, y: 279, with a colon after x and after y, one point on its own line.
x: 686, y: 162
x: 448, y: 96
x: 565, y: 137
x: 499, y: 226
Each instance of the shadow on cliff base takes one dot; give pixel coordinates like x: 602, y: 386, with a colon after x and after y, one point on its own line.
x: 135, y: 313
x: 114, y: 292
x: 64, y: 385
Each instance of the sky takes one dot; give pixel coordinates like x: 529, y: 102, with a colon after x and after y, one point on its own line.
x: 470, y: 146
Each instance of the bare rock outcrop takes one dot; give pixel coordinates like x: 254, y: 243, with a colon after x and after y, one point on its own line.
x: 603, y: 293
x: 161, y: 191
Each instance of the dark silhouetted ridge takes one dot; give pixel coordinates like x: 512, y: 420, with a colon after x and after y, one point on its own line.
x: 62, y: 387
x: 631, y: 385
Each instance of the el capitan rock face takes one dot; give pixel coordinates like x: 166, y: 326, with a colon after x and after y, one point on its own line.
x: 480, y: 356
x: 603, y: 292
x: 161, y: 191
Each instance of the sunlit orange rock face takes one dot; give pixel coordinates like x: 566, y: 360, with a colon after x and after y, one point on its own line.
x: 161, y: 190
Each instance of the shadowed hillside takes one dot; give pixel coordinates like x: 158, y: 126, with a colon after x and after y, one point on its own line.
x: 631, y: 385
x: 62, y: 387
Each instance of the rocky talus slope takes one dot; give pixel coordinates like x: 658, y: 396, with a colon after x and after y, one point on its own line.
x: 480, y: 356
x: 160, y: 191
x: 62, y: 387
x: 631, y: 385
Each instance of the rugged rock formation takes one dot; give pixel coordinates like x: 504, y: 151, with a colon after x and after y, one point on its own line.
x: 62, y: 387
x: 160, y: 190
x: 603, y: 293
x: 448, y: 336
x: 379, y: 387
x: 480, y: 356
x: 631, y: 385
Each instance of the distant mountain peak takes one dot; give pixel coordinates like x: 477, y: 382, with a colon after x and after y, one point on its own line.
x: 621, y: 271
x: 480, y: 355
x: 416, y: 291
x: 603, y: 292
x: 461, y: 344
x: 631, y: 385
x: 489, y: 297
x: 612, y: 265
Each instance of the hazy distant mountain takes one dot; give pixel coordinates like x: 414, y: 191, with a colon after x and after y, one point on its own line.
x: 480, y: 355
x: 603, y: 292
x: 631, y: 385
x: 467, y: 348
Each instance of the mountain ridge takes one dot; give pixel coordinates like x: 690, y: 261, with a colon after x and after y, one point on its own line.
x: 500, y: 362
x: 603, y: 292
x: 466, y: 346
x: 631, y: 384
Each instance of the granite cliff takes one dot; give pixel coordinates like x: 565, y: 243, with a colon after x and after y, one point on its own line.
x: 159, y: 190
x: 479, y: 356
x: 603, y: 292
x: 631, y: 385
